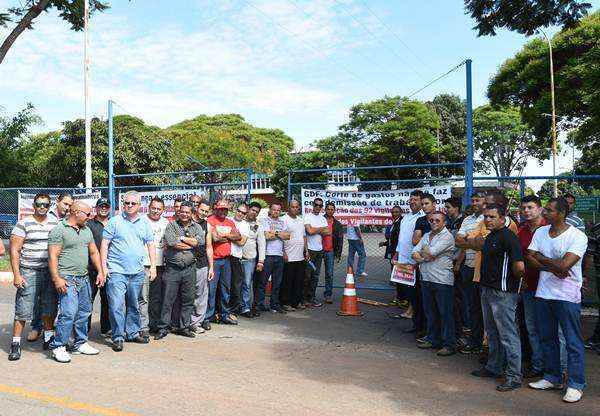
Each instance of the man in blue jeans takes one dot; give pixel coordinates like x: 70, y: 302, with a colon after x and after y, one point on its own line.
x: 356, y: 248
x: 70, y: 247
x: 502, y: 269
x: 434, y: 254
x: 124, y: 241
x: 559, y: 249
x: 332, y: 248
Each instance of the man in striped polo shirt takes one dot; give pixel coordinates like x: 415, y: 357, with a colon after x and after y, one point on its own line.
x: 29, y: 261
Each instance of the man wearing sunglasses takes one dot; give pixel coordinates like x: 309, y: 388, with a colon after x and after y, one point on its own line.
x: 253, y: 258
x: 125, y: 239
x: 70, y: 247
x: 237, y: 247
x: 29, y: 261
x: 434, y: 254
x: 96, y: 226
x: 316, y: 227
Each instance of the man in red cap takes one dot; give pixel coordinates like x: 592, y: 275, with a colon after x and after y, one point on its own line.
x: 223, y: 232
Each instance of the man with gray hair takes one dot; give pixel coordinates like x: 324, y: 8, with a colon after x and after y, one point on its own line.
x: 125, y: 239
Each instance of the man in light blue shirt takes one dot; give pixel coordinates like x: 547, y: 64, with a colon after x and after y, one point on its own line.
x: 125, y: 240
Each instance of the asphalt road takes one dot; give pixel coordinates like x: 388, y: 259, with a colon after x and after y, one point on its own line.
x: 303, y: 363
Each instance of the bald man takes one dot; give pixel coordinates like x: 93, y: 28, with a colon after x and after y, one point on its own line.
x: 70, y: 247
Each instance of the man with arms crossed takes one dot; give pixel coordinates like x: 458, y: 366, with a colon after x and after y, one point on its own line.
x: 559, y: 248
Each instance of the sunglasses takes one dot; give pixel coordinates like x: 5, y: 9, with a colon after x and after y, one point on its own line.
x: 130, y: 203
x: 42, y: 204
x: 242, y: 212
x: 433, y: 221
x: 87, y: 214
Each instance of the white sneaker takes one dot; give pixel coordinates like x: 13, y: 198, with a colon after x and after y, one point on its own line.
x: 61, y: 355
x: 572, y: 395
x: 544, y: 384
x: 363, y: 274
x: 86, y: 349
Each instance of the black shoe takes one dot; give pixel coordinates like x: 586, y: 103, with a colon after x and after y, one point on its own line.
x: 187, y: 332
x: 206, y: 325
x: 228, y: 321
x: 15, y: 352
x: 117, y: 346
x: 140, y: 339
x: 508, y: 386
x: 255, y: 313
x: 262, y: 308
x: 484, y: 373
x: 409, y: 331
x: 248, y: 315
x: 161, y: 334
x: 529, y: 373
x: 468, y: 349
x: 153, y: 330
x: 47, y: 343
x: 278, y: 309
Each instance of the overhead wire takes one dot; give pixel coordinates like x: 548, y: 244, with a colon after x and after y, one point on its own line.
x: 364, y: 56
x: 389, y: 29
x: 454, y: 68
x: 374, y: 36
x: 311, y: 47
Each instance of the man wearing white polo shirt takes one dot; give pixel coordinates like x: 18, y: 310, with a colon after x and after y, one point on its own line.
x: 316, y: 227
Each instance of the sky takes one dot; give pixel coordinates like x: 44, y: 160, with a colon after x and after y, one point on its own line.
x: 297, y: 65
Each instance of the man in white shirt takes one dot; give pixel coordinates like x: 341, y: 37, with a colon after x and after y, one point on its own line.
x: 237, y: 272
x: 150, y: 298
x: 276, y: 233
x: 253, y: 258
x: 316, y: 227
x: 295, y: 252
x: 404, y: 256
x: 558, y: 249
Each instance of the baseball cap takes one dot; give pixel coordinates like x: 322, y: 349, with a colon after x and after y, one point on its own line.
x: 102, y: 201
x: 222, y: 205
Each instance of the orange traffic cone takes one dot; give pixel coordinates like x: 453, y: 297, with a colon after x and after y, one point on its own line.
x: 349, y: 306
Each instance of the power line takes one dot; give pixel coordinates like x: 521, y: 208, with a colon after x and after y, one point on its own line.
x: 364, y: 56
x: 309, y: 46
x: 385, y: 25
x: 374, y: 36
x: 454, y: 68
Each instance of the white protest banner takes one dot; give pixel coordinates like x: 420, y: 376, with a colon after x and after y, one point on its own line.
x: 167, y: 196
x: 369, y: 207
x: 404, y: 274
x: 25, y: 206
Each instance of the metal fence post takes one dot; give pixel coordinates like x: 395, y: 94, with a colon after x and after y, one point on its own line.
x: 250, y: 173
x: 522, y: 188
x: 289, y: 187
x: 111, y: 177
x: 469, y: 161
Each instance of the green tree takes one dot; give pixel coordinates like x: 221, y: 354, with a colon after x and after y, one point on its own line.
x: 227, y: 141
x: 452, y: 133
x: 564, y: 187
x: 14, y: 129
x: 504, y: 142
x: 27, y: 11
x: 524, y: 16
x: 523, y: 81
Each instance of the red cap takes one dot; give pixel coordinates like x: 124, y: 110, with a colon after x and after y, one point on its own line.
x: 222, y: 205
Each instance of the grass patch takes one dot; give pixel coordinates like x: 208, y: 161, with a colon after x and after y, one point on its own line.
x: 5, y: 264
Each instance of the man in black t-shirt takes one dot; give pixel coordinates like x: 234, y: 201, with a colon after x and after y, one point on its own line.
x: 502, y: 269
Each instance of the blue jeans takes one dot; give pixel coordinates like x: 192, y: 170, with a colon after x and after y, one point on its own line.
x: 568, y: 316
x: 500, y: 321
x: 328, y: 260
x: 247, y: 290
x: 531, y: 322
x: 123, y: 291
x: 274, y: 268
x: 74, y: 309
x: 438, y: 305
x: 357, y: 247
x: 222, y: 270
x: 464, y: 288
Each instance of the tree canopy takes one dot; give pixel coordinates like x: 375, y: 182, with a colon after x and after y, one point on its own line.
x: 523, y: 81
x: 27, y: 11
x: 524, y: 16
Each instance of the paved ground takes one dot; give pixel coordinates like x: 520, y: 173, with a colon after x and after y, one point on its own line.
x: 304, y: 363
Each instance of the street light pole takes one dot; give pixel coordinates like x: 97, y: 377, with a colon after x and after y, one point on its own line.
x: 554, y: 144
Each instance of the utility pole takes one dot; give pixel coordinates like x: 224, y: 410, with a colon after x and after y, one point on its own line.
x: 469, y: 162
x: 554, y: 143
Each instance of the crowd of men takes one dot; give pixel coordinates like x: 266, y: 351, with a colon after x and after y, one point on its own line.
x: 480, y: 275
x: 487, y: 276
